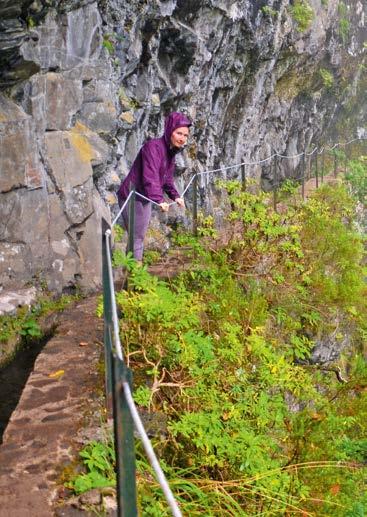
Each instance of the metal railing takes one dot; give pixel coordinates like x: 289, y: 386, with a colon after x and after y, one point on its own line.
x: 308, y: 165
x: 119, y: 392
x: 118, y: 375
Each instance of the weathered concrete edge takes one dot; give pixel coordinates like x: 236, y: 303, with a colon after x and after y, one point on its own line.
x: 41, y: 434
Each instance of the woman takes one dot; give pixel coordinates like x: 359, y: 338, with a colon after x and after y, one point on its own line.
x: 152, y: 175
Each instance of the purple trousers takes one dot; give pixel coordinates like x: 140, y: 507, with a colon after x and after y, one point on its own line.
x: 143, y: 212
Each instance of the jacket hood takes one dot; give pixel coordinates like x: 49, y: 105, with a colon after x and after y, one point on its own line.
x: 172, y: 122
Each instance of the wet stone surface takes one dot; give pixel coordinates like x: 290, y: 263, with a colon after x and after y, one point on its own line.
x: 42, y: 434
x: 12, y: 381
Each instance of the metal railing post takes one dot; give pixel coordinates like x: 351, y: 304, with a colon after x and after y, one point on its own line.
x: 107, y: 316
x: 275, y: 168
x: 124, y: 442
x: 316, y: 170
x: 243, y: 177
x: 195, y: 206
x: 303, y: 174
x: 131, y: 225
x: 335, y: 164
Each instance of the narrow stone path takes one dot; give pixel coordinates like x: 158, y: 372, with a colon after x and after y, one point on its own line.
x: 56, y: 403
x: 330, y: 179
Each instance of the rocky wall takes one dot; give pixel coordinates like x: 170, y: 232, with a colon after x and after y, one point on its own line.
x: 84, y: 83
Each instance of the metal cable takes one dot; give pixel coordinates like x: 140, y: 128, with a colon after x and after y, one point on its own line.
x: 128, y: 396
x: 121, y: 210
x: 150, y: 452
x: 126, y: 202
x: 290, y: 157
x: 225, y: 169
x: 116, y: 333
x: 210, y: 171
x: 176, y: 512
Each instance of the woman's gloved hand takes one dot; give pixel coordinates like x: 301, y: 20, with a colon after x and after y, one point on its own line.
x: 180, y: 202
x: 164, y: 206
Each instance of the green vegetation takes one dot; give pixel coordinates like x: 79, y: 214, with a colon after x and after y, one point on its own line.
x: 269, y: 11
x: 109, y: 43
x: 31, y: 328
x: 110, y: 40
x: 118, y: 233
x: 31, y: 23
x: 327, y: 77
x: 302, y: 13
x: 151, y: 256
x: 128, y: 103
x: 356, y: 177
x: 344, y: 23
x: 24, y: 326
x: 98, y: 459
x: 294, y: 83
x: 355, y: 172
x: 254, y: 428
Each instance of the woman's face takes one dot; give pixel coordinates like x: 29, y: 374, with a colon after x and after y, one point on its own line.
x: 179, y: 137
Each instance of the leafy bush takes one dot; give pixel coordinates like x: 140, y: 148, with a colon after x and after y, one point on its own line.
x: 344, y: 23
x: 254, y: 428
x: 98, y: 459
x: 303, y: 14
x: 223, y: 351
x: 327, y: 77
x: 357, y: 178
x: 30, y: 328
x: 269, y: 11
x: 25, y: 322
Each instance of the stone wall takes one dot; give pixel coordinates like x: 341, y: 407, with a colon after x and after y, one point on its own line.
x: 50, y: 213
x: 84, y: 83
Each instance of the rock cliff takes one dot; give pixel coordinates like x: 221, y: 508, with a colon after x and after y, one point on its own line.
x: 84, y: 83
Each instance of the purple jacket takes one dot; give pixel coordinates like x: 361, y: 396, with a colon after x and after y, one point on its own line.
x: 152, y: 171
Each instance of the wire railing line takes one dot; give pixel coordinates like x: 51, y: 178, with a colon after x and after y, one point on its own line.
x: 259, y: 162
x: 211, y: 171
x: 119, y: 376
x: 126, y: 202
x: 176, y: 512
x: 121, y: 209
x: 125, y: 385
x: 116, y: 331
x: 311, y: 153
x: 237, y: 165
x: 290, y: 157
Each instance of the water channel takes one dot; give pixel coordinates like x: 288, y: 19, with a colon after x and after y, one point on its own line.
x: 13, y: 378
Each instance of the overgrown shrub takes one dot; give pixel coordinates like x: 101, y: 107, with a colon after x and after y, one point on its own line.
x: 224, y: 348
x: 302, y: 13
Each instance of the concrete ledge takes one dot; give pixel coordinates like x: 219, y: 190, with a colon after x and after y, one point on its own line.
x: 41, y: 435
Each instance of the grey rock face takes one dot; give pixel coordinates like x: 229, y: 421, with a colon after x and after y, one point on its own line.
x: 54, y: 100
x: 85, y: 83
x: 50, y: 212
x: 329, y: 348
x: 12, y: 300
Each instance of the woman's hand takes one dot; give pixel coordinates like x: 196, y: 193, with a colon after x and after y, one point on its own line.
x: 180, y: 202
x: 164, y: 207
